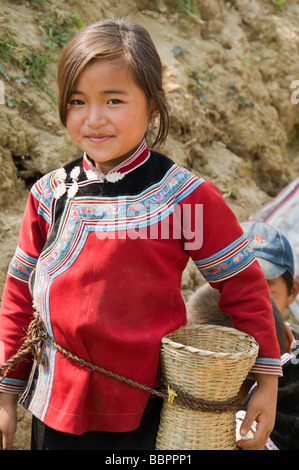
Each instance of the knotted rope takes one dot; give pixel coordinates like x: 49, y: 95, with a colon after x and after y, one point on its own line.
x: 37, y: 335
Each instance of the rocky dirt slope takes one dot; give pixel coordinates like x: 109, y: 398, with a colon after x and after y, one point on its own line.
x: 229, y: 69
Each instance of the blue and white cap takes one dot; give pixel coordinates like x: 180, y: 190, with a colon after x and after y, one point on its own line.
x: 271, y: 248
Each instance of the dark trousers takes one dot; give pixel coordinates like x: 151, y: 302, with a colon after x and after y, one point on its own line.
x: 143, y: 438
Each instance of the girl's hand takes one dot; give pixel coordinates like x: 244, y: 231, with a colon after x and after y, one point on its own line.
x: 261, y: 408
x: 8, y: 420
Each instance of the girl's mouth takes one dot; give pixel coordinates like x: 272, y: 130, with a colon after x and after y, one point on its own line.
x: 98, y: 139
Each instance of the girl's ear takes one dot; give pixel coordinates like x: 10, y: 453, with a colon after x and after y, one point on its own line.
x: 294, y: 292
x: 154, y: 115
x: 155, y: 122
x: 153, y: 110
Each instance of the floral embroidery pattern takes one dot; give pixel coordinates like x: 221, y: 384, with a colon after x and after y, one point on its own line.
x: 227, y: 263
x: 102, y: 215
x: 21, y: 265
x: 38, y: 406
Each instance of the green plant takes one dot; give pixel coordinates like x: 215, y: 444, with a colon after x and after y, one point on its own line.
x: 179, y: 50
x: 232, y: 93
x: 190, y: 8
x: 196, y: 84
x: 13, y: 102
x: 60, y: 29
x: 33, y: 61
x: 34, y: 65
x: 229, y: 192
x: 37, y: 3
x: 7, y: 45
x: 278, y: 4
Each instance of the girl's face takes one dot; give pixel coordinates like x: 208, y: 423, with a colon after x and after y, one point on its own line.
x: 108, y: 113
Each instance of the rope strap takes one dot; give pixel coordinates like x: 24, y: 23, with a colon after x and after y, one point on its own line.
x: 33, y: 344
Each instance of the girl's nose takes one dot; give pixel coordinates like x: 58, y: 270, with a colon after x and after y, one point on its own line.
x: 96, y: 118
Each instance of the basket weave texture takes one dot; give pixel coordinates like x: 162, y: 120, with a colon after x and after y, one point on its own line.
x: 209, y: 362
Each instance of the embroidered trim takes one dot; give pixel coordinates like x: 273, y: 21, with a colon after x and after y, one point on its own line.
x: 139, y: 157
x: 228, y: 262
x: 103, y: 215
x: 14, y: 386
x: 267, y: 366
x: 40, y: 402
x: 43, y: 192
x: 21, y: 265
x: 268, y: 361
x: 14, y: 382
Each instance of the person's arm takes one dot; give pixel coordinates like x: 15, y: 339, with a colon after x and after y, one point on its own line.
x: 262, y: 409
x: 8, y: 420
x: 16, y: 310
x: 227, y: 262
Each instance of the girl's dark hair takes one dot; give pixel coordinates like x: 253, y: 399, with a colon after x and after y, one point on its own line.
x: 289, y: 280
x: 110, y: 40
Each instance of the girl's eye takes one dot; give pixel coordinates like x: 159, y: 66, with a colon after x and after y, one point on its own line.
x: 75, y: 103
x: 114, y: 101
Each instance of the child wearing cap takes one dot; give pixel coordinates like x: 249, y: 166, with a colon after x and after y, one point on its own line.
x: 274, y: 254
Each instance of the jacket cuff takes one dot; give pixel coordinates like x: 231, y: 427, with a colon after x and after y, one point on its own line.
x: 264, y: 365
x: 13, y: 386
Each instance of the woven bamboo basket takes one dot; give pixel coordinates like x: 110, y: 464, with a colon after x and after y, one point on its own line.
x: 209, y: 362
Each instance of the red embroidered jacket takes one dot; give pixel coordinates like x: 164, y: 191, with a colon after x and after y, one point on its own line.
x: 102, y: 260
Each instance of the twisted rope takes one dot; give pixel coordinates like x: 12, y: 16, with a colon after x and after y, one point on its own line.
x: 37, y: 335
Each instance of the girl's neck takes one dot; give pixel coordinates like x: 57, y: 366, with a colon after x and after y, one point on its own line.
x: 106, y: 167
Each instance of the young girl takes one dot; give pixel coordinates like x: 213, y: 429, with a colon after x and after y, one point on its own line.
x: 103, y: 244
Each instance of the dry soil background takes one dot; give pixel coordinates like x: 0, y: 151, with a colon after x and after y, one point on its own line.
x: 229, y: 68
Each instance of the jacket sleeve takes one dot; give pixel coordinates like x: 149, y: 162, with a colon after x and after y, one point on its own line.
x: 227, y: 262
x: 16, y: 307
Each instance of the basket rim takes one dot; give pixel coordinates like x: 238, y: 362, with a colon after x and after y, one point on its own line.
x: 166, y: 340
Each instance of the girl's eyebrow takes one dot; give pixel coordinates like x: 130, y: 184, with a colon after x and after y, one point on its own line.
x: 105, y: 92
x: 117, y: 92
